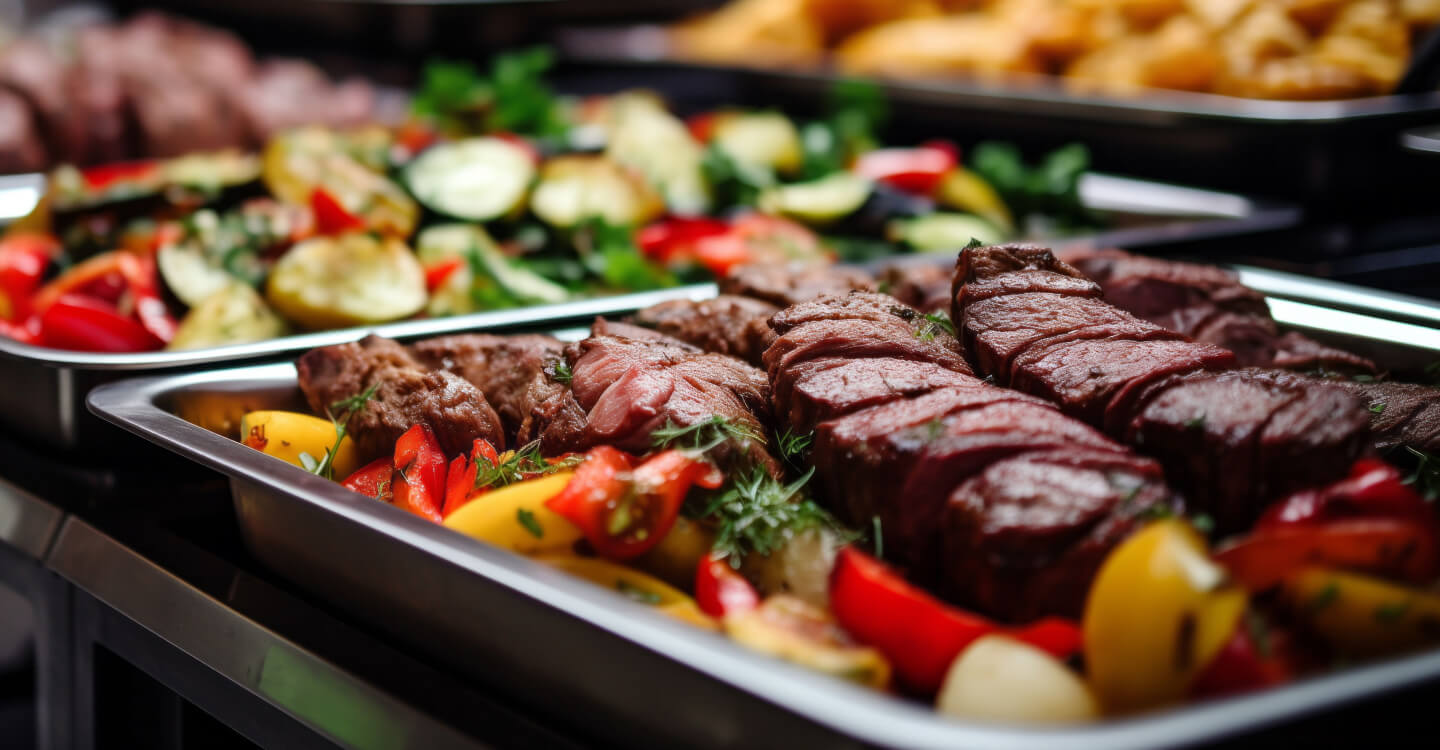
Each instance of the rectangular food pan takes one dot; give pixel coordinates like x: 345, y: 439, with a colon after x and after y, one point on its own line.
x: 610, y: 667
x: 46, y: 388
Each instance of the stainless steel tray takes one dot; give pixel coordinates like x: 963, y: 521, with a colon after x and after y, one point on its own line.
x: 619, y: 670
x: 44, y: 397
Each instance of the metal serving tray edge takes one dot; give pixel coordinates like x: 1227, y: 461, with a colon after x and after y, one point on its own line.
x: 44, y: 397
x: 517, y: 625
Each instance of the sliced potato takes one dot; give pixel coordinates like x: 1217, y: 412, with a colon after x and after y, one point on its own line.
x: 235, y: 314
x: 495, y: 517
x: 575, y: 188
x: 1001, y: 679
x: 287, y: 434
x: 353, y: 279
x: 787, y: 628
x: 647, y: 138
x: 766, y: 138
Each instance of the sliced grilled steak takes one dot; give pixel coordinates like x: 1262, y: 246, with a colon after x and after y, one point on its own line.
x: 1025, y: 537
x: 724, y: 325
x: 1208, y: 304
x: 784, y: 285
x: 830, y: 387
x: 1400, y: 413
x: 923, y: 286
x: 1230, y: 440
x: 514, y: 372
x: 406, y: 394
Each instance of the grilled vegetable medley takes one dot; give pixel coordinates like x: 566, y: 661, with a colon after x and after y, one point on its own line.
x: 495, y: 193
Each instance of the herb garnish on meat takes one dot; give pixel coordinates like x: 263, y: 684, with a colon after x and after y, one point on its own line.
x: 705, y: 435
x: 759, y: 514
x: 518, y: 465
x: 340, y: 413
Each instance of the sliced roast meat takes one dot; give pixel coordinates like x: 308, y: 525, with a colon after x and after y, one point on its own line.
x: 727, y: 324
x: 515, y: 373
x: 785, y: 285
x: 406, y: 394
x: 923, y: 286
x: 1208, y: 304
x: 830, y: 387
x: 1025, y: 537
x: 1400, y: 413
x: 1231, y: 441
x: 603, y: 327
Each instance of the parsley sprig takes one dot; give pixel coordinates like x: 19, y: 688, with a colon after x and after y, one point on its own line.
x: 340, y: 414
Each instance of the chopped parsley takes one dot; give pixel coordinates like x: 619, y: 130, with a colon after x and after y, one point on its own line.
x: 340, y: 414
x: 560, y: 372
x: 527, y: 519
x: 1196, y: 423
x: 1377, y: 408
x: 932, y: 324
x: 1203, y: 523
x: 644, y: 596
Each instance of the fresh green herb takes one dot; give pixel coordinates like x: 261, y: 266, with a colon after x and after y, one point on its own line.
x: 518, y: 465
x: 1203, y: 523
x: 793, y: 445
x: 934, y: 429
x: 1324, y: 597
x: 1050, y: 189
x: 1377, y: 408
x: 528, y: 520
x: 513, y: 98
x: 1195, y: 423
x: 758, y: 514
x: 973, y: 243
x: 560, y: 372
x: 877, y: 535
x: 609, y: 252
x: 636, y: 593
x: 1391, y: 613
x: 1426, y: 477
x: 340, y: 414
x: 382, y: 488
x: 856, y: 111
x: 309, y: 462
x: 705, y: 435
x: 932, y: 324
x: 733, y: 182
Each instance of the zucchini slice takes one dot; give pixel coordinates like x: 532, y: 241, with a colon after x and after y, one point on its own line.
x: 188, y: 273
x: 483, y: 259
x: 821, y: 201
x: 477, y: 179
x: 575, y: 188
x: 646, y: 137
x: 942, y: 233
x: 765, y: 138
x: 353, y: 279
x: 233, y: 315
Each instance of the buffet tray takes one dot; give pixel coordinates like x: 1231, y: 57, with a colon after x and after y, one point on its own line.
x: 618, y: 669
x: 44, y: 400
x: 1352, y: 153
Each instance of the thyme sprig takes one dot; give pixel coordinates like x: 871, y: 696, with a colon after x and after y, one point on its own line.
x: 704, y: 436
x: 340, y: 414
x: 518, y: 465
x: 759, y: 514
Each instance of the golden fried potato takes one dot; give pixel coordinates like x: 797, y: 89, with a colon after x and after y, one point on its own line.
x: 1297, y: 78
x: 1265, y: 33
x: 753, y: 32
x: 1219, y: 14
x: 841, y: 18
x: 1420, y: 14
x: 1182, y: 55
x: 1378, y: 69
x: 1375, y: 21
x: 1140, y: 14
x: 1314, y: 15
x: 974, y: 44
x: 1117, y: 68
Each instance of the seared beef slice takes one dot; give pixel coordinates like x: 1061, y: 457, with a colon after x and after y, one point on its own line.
x: 406, y: 394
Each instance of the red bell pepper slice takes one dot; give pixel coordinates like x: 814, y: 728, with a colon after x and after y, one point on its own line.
x: 1373, y: 489
x: 702, y: 126
x: 331, y: 216
x: 418, y: 457
x: 919, y: 634
x: 625, y: 511
x: 121, y: 279
x: 1399, y: 549
x: 373, y: 480
x: 460, y: 478
x: 914, y: 170
x: 437, y: 273
x: 676, y: 237
x: 103, y: 176
x: 24, y: 258
x: 412, y: 496
x: 1244, y: 666
x: 720, y: 590
x: 25, y: 331
x: 85, y: 324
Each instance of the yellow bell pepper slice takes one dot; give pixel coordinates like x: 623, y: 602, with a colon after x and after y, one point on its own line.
x: 515, y: 517
x: 1364, y: 616
x: 287, y: 434
x: 1157, y: 614
x: 963, y: 190
x: 636, y: 585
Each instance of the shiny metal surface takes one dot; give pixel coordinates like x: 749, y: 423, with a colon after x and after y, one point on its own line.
x: 27, y: 523
x: 310, y: 690
x: 519, y: 626
x: 44, y: 399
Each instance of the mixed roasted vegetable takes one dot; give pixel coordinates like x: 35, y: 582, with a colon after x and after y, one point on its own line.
x: 1328, y: 576
x: 496, y: 193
